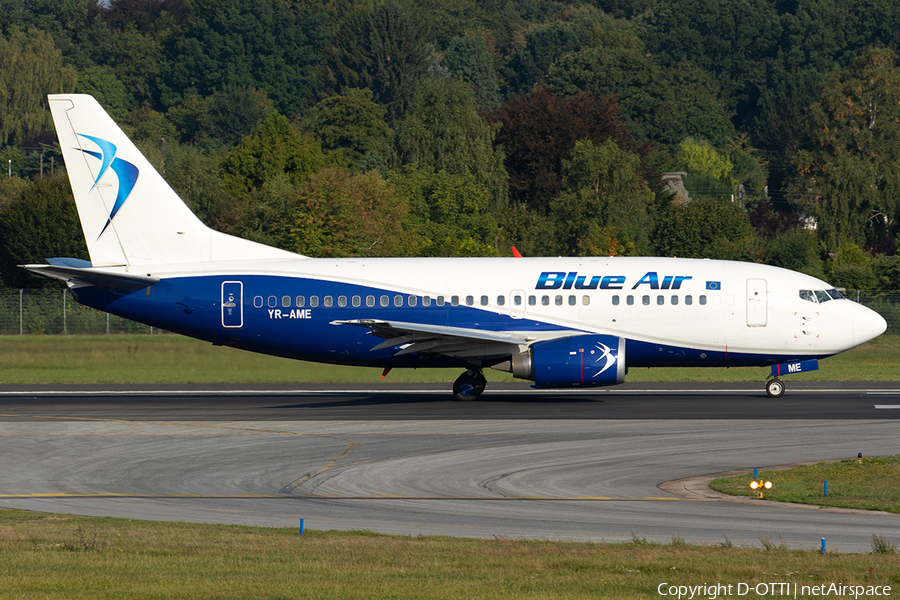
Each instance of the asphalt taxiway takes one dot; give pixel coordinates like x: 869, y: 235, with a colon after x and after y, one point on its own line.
x: 408, y: 459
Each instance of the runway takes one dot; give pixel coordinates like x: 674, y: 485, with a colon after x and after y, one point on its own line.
x: 519, y: 463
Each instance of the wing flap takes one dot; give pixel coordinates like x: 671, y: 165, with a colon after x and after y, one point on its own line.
x: 458, y: 342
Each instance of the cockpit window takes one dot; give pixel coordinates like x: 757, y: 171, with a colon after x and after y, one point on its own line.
x: 819, y: 296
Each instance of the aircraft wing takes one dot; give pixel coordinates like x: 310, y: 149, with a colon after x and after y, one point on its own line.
x: 458, y: 342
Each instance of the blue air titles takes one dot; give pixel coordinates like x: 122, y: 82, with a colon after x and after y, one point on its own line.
x: 553, y: 280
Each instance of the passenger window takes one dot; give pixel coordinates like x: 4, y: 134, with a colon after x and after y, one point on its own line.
x: 545, y: 300
x: 398, y: 300
x: 440, y: 300
x: 470, y: 300
x: 586, y: 300
x: 285, y: 301
x: 370, y: 301
x: 327, y: 301
x: 702, y: 300
x: 301, y: 301
x: 629, y: 300
x: 717, y: 300
x: 257, y: 301
x: 356, y: 301
x: 272, y: 301
x: 532, y: 300
x: 454, y: 300
x: 558, y: 300
x: 517, y: 300
x: 342, y: 301
x: 645, y: 300
x: 501, y: 300
x: 660, y: 300
x: 615, y: 300
x: 484, y: 301
x: 385, y: 301
x: 412, y: 300
x: 313, y: 301
x: 688, y: 300
x: 572, y: 301
x: 426, y: 301
x: 674, y: 300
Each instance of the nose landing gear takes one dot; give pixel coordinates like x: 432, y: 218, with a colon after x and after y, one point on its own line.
x: 775, y: 388
x: 469, y: 386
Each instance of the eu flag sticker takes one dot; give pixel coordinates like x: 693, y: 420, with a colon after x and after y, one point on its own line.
x: 714, y: 285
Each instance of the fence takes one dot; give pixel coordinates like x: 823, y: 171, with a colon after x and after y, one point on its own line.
x: 53, y: 312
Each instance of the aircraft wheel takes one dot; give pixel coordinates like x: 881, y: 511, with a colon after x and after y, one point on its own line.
x: 775, y: 388
x: 468, y: 387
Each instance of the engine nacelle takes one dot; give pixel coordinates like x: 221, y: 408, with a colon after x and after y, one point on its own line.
x: 575, y: 361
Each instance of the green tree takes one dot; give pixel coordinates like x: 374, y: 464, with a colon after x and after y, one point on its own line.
x: 449, y: 215
x: 539, y: 131
x: 663, y: 104
x: 30, y: 68
x: 222, y: 119
x: 273, y: 149
x: 443, y: 131
x: 386, y: 50
x: 706, y: 228
x: 851, y: 176
x: 603, y: 209
x: 468, y: 59
x: 339, y: 214
x: 38, y: 220
x: 352, y: 123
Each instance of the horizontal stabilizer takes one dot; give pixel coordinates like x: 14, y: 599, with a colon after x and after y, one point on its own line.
x: 78, y: 277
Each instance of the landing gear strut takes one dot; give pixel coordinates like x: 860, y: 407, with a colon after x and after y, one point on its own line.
x: 469, y: 385
x: 775, y: 388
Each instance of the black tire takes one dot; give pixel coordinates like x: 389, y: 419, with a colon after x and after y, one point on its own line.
x: 775, y: 388
x: 468, y: 387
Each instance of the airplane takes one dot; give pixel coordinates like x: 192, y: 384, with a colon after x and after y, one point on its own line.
x: 560, y: 322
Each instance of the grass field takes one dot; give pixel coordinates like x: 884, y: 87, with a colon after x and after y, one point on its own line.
x: 175, y: 359
x: 56, y: 556
x: 871, y: 484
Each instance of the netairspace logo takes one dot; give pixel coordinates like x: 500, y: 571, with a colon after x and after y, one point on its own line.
x: 775, y: 590
x: 125, y: 172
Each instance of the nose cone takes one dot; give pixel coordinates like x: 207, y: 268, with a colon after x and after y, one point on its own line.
x: 867, y: 325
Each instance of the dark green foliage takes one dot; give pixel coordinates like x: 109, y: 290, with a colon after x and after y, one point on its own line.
x: 468, y: 59
x: 38, y: 220
x: 443, y: 132
x: 603, y: 209
x: 706, y: 228
x: 273, y: 149
x: 448, y: 214
x: 539, y: 131
x: 222, y: 119
x: 354, y: 124
x: 387, y: 51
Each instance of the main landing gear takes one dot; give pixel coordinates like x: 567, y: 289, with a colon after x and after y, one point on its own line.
x: 775, y: 388
x: 469, y: 386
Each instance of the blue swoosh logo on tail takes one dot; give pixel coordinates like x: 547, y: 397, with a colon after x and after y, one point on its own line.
x: 126, y: 173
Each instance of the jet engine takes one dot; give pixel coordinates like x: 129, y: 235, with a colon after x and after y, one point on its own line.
x: 575, y: 361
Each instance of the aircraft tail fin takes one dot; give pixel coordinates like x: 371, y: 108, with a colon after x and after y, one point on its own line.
x: 129, y: 214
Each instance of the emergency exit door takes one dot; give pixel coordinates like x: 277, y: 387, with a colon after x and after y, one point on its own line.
x: 232, y: 304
